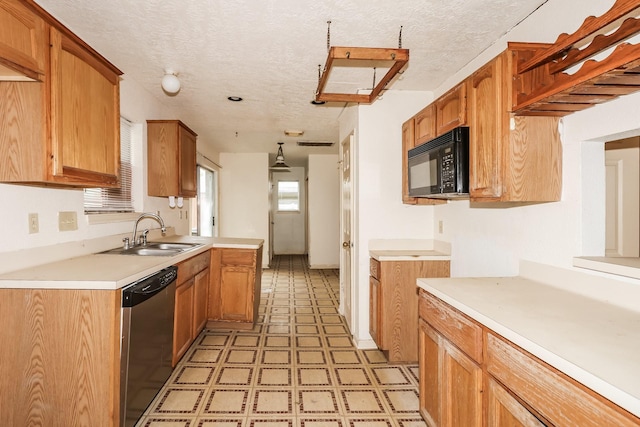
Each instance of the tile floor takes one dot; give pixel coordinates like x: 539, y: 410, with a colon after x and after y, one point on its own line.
x: 297, y: 368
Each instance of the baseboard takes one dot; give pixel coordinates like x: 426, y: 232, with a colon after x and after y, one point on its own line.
x: 365, y: 344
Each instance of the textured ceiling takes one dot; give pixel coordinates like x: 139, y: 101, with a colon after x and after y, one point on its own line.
x: 268, y: 52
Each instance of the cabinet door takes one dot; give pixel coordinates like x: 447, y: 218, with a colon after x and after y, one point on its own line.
x: 182, y: 320
x: 23, y: 42
x: 200, y: 297
x: 236, y: 293
x: 85, y: 116
x: 188, y: 184
x: 430, y: 362
x: 462, y: 400
x: 375, y: 289
x: 505, y: 411
x: 485, y: 126
x: 425, y: 125
x: 451, y: 109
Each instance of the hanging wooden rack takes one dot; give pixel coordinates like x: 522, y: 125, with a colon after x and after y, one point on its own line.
x: 355, y: 55
x: 542, y: 85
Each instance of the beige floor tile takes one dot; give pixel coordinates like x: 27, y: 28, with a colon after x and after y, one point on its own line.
x: 297, y: 367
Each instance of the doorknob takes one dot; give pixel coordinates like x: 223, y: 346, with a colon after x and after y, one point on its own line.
x: 346, y: 244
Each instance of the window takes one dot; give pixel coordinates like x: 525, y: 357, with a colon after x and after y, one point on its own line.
x: 113, y: 200
x: 288, y: 196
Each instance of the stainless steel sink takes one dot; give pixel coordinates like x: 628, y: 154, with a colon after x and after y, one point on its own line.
x: 154, y: 249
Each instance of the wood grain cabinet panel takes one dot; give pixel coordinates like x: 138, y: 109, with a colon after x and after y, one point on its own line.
x: 451, y: 109
x: 60, y: 362
x: 234, y: 290
x: 393, y: 305
x: 425, y: 125
x: 171, y: 159
x: 64, y: 128
x: 23, y: 42
x: 511, y: 158
x: 192, y: 285
x: 504, y: 410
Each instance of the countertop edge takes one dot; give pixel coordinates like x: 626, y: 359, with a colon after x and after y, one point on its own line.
x: 607, y: 390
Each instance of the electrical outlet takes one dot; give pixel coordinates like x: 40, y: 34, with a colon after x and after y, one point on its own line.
x: 67, y: 221
x: 33, y: 223
x: 440, y: 226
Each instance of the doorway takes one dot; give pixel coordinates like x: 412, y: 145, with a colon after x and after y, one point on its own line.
x: 288, y: 212
x: 205, y: 223
x: 622, y: 197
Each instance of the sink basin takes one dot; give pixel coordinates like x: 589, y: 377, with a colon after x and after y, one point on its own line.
x: 154, y: 249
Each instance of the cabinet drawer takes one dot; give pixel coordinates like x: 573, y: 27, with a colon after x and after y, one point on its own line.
x: 455, y: 326
x: 238, y: 257
x: 374, y: 268
x: 557, y: 398
x: 189, y: 268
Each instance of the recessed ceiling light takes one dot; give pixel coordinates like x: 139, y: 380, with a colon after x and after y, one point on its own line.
x: 314, y: 102
x: 234, y: 98
x: 291, y: 132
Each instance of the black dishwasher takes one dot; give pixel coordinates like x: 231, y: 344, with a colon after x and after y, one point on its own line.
x: 147, y: 341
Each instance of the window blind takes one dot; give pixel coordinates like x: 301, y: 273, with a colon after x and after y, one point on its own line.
x: 112, y: 200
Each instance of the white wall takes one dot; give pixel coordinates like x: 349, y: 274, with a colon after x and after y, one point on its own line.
x: 137, y: 105
x: 244, y: 197
x: 289, y: 228
x: 324, y: 211
x: 377, y: 187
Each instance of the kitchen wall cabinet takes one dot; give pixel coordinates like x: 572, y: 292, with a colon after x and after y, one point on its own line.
x: 393, y: 306
x: 462, y: 360
x: 191, y: 303
x: 511, y: 159
x: 171, y: 159
x: 61, y: 357
x: 451, y: 109
x: 425, y: 125
x: 23, y: 42
x: 234, y: 293
x: 64, y: 128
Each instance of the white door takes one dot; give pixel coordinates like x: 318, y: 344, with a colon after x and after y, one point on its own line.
x: 288, y: 215
x: 622, y: 213
x: 347, y: 244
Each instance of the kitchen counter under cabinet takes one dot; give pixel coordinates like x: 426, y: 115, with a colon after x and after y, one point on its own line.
x: 548, y: 332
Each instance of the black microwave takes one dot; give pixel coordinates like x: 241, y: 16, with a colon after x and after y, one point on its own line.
x: 440, y: 167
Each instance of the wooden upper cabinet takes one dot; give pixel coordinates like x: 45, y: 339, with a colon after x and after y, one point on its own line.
x: 23, y: 42
x: 451, y: 109
x: 425, y: 125
x: 171, y: 154
x: 511, y: 159
x: 63, y: 128
x: 85, y: 115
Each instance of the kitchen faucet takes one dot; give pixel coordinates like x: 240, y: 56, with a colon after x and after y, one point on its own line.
x: 163, y: 229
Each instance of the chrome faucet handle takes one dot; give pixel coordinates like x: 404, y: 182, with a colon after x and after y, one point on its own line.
x: 143, y: 238
x: 126, y: 243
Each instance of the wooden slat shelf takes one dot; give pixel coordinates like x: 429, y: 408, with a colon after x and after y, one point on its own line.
x: 543, y: 87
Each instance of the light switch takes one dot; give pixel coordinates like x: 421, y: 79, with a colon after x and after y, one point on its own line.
x: 67, y: 221
x: 33, y: 223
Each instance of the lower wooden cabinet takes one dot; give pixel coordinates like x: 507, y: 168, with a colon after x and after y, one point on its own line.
x: 393, y: 306
x: 234, y: 293
x: 191, y: 303
x: 504, y: 410
x: 450, y: 382
x: 467, y: 370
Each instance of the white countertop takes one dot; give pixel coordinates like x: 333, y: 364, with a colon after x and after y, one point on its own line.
x: 589, y: 337
x: 109, y: 271
x: 409, y: 255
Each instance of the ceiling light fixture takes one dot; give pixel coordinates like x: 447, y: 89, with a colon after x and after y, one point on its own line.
x: 357, y: 57
x: 170, y: 82
x: 234, y: 98
x: 291, y: 132
x: 280, y: 164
